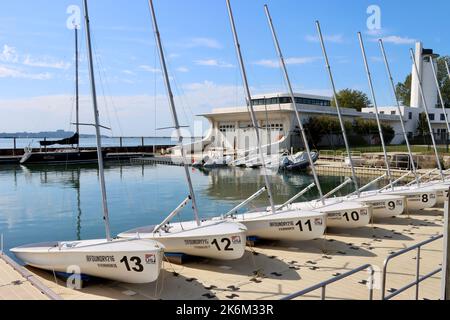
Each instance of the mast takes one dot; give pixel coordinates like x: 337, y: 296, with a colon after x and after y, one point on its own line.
x: 380, y: 128
x: 174, y: 111
x: 77, y: 89
x: 97, y: 125
x: 338, y: 108
x: 440, y: 95
x: 391, y: 79
x: 250, y: 105
x: 291, y: 92
x: 425, y: 105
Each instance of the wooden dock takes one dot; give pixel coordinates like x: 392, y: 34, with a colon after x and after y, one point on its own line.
x: 274, y: 270
x: 17, y: 283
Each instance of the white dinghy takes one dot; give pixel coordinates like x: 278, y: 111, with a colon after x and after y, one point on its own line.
x: 341, y: 214
x: 131, y: 261
x: 221, y: 240
x: 382, y: 205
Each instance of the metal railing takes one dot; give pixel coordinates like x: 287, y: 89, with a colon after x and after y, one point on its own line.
x: 323, y: 285
x: 419, y: 279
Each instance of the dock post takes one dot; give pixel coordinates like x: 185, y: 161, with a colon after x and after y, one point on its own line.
x: 121, y: 142
x: 143, y: 142
x: 445, y: 286
x: 15, y: 145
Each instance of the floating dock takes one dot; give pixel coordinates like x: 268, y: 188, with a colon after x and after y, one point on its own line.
x: 273, y: 270
x: 17, y: 283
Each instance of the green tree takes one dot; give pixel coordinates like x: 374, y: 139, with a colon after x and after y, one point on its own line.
x: 422, y: 127
x: 404, y: 88
x: 354, y: 99
x: 370, y: 128
x: 404, y: 91
x: 321, y: 126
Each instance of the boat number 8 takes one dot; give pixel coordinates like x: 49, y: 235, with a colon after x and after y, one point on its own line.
x: 425, y: 198
x: 138, y: 267
x: 391, y: 205
x: 354, y: 216
x: 226, y: 242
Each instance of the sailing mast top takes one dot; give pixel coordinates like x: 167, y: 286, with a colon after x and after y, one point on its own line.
x: 377, y: 115
x: 77, y: 89
x: 250, y: 105
x: 97, y: 125
x: 388, y: 70
x: 297, y: 113
x: 174, y: 111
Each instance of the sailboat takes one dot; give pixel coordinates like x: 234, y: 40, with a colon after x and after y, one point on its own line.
x: 441, y: 187
x: 220, y: 240
x: 340, y: 214
x: 130, y: 260
x: 418, y: 197
x: 65, y: 155
x: 382, y: 205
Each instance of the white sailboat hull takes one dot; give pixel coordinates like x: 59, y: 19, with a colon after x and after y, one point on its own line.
x: 340, y: 214
x: 383, y: 206
x: 129, y: 261
x: 441, y: 188
x: 218, y: 240
x: 291, y: 225
x: 416, y: 198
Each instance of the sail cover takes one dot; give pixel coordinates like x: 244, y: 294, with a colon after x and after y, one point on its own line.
x: 64, y: 142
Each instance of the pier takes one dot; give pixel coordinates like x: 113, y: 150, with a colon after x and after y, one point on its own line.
x: 19, y: 284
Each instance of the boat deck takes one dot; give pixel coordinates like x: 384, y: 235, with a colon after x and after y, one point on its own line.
x: 274, y: 270
x: 16, y: 283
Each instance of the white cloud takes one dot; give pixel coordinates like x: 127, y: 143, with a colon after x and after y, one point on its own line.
x: 213, y: 63
x: 149, y: 69
x: 8, y: 72
x: 45, y: 62
x: 182, y: 69
x: 289, y: 61
x: 337, y: 38
x: 128, y: 72
x: 203, y: 42
x: 398, y: 40
x: 9, y: 54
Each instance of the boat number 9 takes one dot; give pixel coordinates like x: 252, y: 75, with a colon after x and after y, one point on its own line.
x: 226, y: 242
x: 425, y: 198
x: 391, y: 205
x: 307, y: 224
x: 354, y: 216
x: 138, y: 267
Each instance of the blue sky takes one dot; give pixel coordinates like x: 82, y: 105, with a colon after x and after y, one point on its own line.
x: 37, y: 55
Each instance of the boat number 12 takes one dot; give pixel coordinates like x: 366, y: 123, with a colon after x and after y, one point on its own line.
x: 137, y: 264
x: 226, y: 242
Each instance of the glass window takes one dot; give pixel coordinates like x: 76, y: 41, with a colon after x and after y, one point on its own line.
x: 442, y: 117
x: 432, y: 116
x: 410, y: 116
x: 393, y: 113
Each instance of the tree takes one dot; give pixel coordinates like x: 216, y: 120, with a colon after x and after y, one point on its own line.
x: 354, y: 99
x: 404, y: 88
x: 370, y: 128
x: 422, y: 127
x: 404, y: 91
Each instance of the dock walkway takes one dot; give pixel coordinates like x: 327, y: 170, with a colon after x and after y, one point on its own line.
x: 17, y: 283
x: 273, y: 270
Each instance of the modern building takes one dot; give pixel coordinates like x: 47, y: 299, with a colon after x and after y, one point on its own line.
x: 232, y: 132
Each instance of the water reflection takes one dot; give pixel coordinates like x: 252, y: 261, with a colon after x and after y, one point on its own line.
x: 63, y: 202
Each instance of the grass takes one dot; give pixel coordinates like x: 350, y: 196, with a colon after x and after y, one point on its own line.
x: 400, y: 148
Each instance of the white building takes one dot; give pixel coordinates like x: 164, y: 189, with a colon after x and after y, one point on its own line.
x: 232, y: 131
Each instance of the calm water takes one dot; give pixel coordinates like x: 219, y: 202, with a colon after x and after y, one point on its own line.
x: 63, y: 203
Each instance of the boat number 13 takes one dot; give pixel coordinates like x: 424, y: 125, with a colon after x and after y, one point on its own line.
x: 137, y: 264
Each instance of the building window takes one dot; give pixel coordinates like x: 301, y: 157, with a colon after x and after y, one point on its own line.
x: 410, y: 116
x: 393, y: 113
x: 442, y: 117
x: 432, y: 116
x: 227, y: 128
x: 382, y: 112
